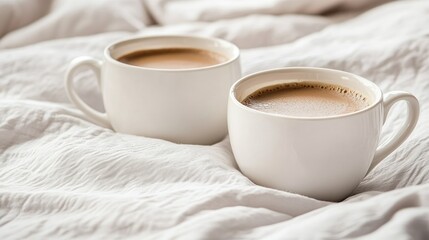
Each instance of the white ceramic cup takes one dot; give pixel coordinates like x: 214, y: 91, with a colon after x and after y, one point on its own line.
x: 320, y: 157
x: 180, y: 105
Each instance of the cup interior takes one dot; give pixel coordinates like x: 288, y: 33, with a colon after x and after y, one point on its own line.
x: 219, y: 46
x: 252, y: 83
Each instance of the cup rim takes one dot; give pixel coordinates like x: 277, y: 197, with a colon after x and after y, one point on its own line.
x: 235, y: 86
x: 108, y: 49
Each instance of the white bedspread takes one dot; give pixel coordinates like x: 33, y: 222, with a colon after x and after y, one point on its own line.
x: 63, y: 177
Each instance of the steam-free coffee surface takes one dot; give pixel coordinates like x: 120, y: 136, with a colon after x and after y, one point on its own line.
x: 307, y: 99
x: 173, y: 58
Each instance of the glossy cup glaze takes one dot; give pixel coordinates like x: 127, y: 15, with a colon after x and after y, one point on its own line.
x: 320, y: 157
x: 179, y: 105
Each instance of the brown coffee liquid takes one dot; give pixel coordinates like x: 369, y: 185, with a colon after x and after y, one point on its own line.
x: 173, y: 58
x: 306, y: 99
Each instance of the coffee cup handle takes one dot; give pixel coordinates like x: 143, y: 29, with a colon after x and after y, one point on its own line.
x: 412, y: 116
x: 95, y: 65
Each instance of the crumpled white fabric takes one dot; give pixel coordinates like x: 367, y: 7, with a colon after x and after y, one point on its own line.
x: 174, y: 11
x: 63, y: 177
x: 52, y: 19
x: 40, y: 20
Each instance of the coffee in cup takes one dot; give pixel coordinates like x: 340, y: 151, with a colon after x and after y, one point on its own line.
x: 169, y: 87
x: 173, y: 58
x: 312, y: 131
x: 307, y: 99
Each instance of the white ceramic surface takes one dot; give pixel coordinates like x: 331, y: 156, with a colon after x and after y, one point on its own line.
x: 183, y: 106
x: 320, y: 157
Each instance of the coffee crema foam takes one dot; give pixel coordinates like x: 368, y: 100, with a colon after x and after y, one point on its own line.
x: 173, y: 58
x: 306, y: 99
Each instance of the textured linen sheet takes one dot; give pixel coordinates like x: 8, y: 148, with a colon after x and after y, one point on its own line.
x: 64, y: 177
